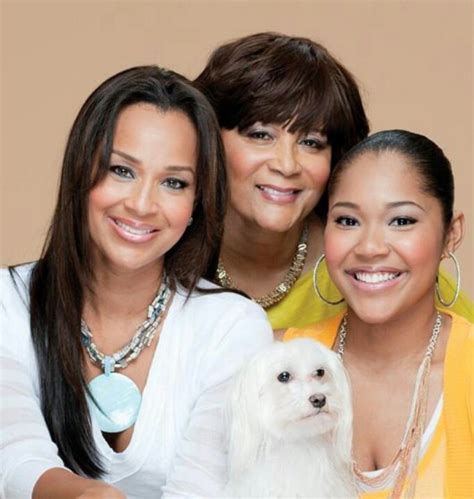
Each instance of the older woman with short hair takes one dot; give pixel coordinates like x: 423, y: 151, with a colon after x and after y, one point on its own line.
x: 288, y: 110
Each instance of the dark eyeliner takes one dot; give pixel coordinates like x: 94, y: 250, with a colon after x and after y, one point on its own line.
x: 121, y: 171
x: 345, y: 221
x: 407, y: 221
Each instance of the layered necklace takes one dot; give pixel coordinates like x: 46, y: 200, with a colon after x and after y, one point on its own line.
x: 402, y: 469
x: 283, y: 288
x: 114, y: 399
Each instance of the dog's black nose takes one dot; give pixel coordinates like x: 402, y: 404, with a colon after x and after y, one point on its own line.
x: 318, y: 401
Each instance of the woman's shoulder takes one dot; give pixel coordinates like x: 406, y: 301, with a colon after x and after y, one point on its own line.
x: 462, y: 330
x: 14, y: 285
x: 463, y: 306
x: 219, y: 313
x: 21, y: 271
x: 14, y: 311
x: 208, y: 295
x: 324, y: 331
x: 302, y: 306
x: 460, y: 349
x: 217, y: 327
x: 459, y: 355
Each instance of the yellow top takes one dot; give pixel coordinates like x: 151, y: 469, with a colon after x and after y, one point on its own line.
x: 446, y: 469
x: 302, y: 306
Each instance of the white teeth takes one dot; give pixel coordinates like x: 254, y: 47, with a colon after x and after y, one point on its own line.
x: 274, y: 192
x: 376, y: 277
x: 133, y: 230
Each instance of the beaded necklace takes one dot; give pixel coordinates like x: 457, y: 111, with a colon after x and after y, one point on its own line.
x: 114, y: 399
x: 406, y: 457
x: 284, y: 287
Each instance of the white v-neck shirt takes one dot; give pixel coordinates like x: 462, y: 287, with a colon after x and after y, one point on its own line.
x: 177, y: 448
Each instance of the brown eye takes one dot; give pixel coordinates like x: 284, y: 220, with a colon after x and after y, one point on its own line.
x: 284, y: 377
x: 319, y: 373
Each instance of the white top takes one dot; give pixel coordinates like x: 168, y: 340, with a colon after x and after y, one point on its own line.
x: 177, y: 445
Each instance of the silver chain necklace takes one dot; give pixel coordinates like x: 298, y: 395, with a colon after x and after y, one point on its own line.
x: 429, y: 351
x: 141, y: 339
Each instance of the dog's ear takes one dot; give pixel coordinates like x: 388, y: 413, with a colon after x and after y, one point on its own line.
x: 342, y: 435
x: 244, y: 429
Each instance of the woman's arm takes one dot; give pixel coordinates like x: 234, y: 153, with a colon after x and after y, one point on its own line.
x: 30, y: 466
x: 29, y: 461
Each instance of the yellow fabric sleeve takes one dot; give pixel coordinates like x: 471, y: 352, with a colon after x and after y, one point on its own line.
x: 463, y: 306
x: 302, y: 306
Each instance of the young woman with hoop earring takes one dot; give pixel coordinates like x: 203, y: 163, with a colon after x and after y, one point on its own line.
x: 409, y: 360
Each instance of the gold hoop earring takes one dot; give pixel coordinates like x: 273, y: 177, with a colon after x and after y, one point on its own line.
x: 315, y: 283
x: 448, y: 304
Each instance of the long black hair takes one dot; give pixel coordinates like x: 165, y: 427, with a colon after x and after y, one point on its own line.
x: 64, y: 271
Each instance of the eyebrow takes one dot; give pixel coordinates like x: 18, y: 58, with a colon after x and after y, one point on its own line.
x: 344, y: 204
x: 395, y: 204
x: 172, y: 168
x: 318, y: 132
x: 125, y: 156
x: 178, y: 168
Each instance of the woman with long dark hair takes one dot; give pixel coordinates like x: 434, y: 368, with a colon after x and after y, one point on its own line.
x: 288, y: 110
x: 115, y: 352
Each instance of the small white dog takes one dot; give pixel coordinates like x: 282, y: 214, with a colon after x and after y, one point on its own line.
x: 291, y: 425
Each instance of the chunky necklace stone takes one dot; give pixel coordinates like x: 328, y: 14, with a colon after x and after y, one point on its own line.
x: 284, y: 287
x: 402, y: 468
x: 114, y: 399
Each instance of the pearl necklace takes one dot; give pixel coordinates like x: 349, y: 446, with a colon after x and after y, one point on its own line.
x: 284, y: 287
x: 114, y: 399
x: 406, y: 458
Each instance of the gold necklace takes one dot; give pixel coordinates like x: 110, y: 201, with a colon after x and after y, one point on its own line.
x: 283, y: 288
x: 406, y: 457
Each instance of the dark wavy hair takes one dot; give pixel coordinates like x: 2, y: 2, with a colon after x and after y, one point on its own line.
x: 425, y: 157
x: 275, y: 78
x: 64, y: 271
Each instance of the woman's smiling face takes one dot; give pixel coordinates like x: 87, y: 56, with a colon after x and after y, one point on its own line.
x: 276, y: 177
x: 384, y: 237
x: 142, y: 207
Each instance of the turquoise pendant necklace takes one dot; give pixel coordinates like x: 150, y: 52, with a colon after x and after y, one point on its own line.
x: 114, y: 399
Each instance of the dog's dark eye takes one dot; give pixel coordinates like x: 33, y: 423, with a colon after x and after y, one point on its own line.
x: 284, y: 377
x: 319, y: 373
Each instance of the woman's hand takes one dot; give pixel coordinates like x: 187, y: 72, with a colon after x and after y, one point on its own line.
x: 58, y: 483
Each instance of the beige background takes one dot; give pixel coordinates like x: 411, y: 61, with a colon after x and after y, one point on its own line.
x: 413, y: 59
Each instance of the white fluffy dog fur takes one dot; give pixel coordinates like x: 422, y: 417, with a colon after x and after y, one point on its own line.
x: 290, y: 424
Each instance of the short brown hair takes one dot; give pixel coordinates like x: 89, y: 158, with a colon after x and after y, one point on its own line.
x: 275, y: 78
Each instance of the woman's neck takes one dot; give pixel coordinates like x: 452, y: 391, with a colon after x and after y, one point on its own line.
x: 122, y: 295
x: 246, y: 246
x: 403, y: 339
x: 244, y: 242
